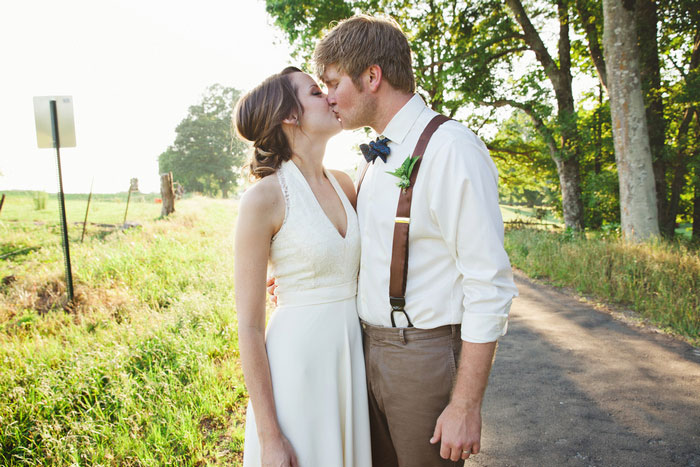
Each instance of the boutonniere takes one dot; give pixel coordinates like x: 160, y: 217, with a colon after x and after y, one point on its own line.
x: 403, y: 173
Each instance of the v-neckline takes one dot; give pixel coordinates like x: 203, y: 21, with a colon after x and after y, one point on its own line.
x: 318, y: 204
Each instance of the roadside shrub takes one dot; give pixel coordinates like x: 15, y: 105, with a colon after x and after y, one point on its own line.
x: 660, y: 280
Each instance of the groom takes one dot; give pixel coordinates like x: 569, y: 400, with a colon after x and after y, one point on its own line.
x: 428, y: 355
x: 427, y: 375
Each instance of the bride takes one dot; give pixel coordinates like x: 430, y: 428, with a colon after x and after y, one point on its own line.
x: 305, y: 373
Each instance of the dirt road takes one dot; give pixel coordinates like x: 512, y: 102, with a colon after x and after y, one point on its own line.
x: 572, y: 386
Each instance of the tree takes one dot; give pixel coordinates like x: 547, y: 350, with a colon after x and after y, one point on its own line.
x: 473, y: 57
x: 632, y: 150
x: 463, y: 53
x: 205, y: 152
x: 668, y: 35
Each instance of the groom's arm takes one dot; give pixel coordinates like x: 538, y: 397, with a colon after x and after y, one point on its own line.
x: 463, y: 200
x: 459, y: 426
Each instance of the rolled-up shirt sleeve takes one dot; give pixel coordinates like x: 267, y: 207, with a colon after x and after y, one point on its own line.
x: 464, y: 203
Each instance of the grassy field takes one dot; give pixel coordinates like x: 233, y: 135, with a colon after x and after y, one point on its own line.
x: 144, y: 369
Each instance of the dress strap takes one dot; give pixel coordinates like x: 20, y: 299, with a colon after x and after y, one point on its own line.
x: 282, y: 179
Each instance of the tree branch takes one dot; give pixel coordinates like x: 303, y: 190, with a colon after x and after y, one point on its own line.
x: 514, y: 152
x: 593, y: 42
x: 535, y: 42
x: 474, y: 51
x: 540, y: 126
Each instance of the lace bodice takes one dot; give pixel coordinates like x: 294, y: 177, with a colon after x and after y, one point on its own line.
x: 308, y: 252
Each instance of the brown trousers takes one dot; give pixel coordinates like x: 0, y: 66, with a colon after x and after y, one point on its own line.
x: 410, y: 375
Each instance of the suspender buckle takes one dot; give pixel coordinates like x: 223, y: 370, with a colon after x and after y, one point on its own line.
x: 402, y: 220
x: 397, y: 303
x: 397, y: 306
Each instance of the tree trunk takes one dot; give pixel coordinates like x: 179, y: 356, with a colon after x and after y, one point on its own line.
x: 638, y: 206
x: 567, y: 160
x: 568, y: 166
x: 167, y: 194
x: 570, y: 182
x: 598, y: 156
x: 696, y: 209
x: 224, y: 184
x: 650, y: 73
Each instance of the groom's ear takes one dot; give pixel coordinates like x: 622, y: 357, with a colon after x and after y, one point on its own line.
x: 374, y: 77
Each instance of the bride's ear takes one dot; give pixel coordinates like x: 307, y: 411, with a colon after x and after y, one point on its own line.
x: 291, y: 120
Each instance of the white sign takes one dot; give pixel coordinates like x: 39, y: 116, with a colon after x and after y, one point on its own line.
x: 42, y: 118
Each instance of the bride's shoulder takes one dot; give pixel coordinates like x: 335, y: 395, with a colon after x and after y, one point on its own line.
x: 264, y: 199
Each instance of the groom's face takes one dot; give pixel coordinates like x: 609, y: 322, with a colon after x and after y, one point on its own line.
x: 352, y: 106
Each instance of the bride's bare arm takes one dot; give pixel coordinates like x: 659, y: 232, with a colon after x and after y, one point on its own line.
x: 260, y: 216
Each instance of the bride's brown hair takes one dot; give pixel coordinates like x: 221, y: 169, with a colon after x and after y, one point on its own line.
x: 258, y: 118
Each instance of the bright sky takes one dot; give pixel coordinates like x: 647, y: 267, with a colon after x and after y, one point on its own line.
x: 133, y: 69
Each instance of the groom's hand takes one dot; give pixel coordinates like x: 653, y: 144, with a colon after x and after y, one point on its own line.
x: 459, y: 429
x: 271, y: 286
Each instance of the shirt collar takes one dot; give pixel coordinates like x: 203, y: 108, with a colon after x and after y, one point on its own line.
x: 403, y: 121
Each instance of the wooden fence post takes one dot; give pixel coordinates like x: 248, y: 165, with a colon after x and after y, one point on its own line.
x: 167, y: 194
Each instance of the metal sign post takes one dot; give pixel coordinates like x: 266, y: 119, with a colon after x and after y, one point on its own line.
x: 66, y: 108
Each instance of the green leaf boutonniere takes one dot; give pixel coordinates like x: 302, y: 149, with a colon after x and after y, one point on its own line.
x: 403, y: 173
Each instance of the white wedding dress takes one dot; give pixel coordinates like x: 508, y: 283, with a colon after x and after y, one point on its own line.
x: 313, y: 339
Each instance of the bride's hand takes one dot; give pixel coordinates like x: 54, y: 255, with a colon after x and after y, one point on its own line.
x: 279, y: 453
x: 271, y: 286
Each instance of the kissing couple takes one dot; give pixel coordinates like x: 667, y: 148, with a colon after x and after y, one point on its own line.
x: 391, y: 293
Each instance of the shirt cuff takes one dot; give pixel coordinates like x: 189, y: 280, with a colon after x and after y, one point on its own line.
x: 480, y: 328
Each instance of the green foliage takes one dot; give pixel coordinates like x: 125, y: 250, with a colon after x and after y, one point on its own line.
x: 205, y: 152
x: 660, y: 281
x: 472, y: 55
x: 598, y: 170
x: 527, y: 173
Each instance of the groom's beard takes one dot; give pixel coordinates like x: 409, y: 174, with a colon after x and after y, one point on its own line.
x: 361, y: 114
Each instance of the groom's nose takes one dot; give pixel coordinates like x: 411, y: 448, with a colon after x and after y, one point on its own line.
x: 330, y: 98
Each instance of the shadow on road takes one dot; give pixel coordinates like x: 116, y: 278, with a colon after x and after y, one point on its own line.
x: 573, y: 386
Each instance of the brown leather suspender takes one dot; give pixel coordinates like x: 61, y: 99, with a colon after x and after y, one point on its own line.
x: 399, y: 254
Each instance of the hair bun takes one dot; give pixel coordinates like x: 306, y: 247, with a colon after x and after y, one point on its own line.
x: 258, y: 118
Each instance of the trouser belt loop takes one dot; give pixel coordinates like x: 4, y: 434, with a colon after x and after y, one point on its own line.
x: 402, y: 336
x: 454, y: 330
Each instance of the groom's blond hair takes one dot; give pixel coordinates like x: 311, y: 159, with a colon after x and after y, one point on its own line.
x: 357, y: 43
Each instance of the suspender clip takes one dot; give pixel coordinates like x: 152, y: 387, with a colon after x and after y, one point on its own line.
x: 397, y: 303
x: 397, y: 306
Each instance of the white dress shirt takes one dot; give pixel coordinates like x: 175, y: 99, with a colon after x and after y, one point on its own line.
x: 458, y: 271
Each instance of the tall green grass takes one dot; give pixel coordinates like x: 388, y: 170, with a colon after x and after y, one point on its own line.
x: 143, y: 369
x: 659, y: 280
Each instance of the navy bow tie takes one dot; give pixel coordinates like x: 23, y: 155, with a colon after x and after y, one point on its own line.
x: 374, y: 149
